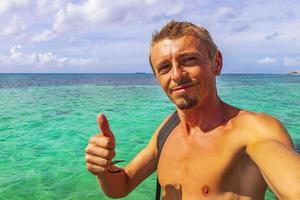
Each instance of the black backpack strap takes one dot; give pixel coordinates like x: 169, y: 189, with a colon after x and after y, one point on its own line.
x: 164, y: 132
x: 158, y: 188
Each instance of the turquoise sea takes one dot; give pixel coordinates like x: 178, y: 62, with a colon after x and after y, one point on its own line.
x: 47, y: 119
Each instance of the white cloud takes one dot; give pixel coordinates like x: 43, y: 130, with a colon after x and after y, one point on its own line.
x: 12, y: 25
x: 8, y: 5
x: 91, y: 14
x: 13, y: 19
x: 48, y: 59
x: 17, y: 16
x: 15, y: 53
x: 223, y: 14
x: 267, y: 60
x: 49, y: 7
x: 46, y: 35
x: 292, y: 61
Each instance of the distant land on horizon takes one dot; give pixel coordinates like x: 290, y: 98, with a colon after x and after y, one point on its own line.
x: 297, y: 72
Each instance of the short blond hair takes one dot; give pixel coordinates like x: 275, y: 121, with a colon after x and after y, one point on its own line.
x: 174, y: 30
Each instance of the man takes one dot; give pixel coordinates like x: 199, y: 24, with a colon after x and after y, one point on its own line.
x: 216, y: 151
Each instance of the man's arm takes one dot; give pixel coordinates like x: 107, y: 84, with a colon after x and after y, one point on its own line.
x: 120, y: 184
x: 117, y: 185
x: 271, y: 149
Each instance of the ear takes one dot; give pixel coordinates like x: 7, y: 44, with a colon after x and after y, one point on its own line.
x: 218, y: 63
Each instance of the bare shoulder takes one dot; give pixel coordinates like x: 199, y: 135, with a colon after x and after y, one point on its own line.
x: 261, y: 126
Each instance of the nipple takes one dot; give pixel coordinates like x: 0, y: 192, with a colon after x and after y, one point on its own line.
x: 205, y: 190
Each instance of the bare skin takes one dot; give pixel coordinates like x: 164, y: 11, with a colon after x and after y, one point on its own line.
x: 216, y: 159
x: 216, y: 152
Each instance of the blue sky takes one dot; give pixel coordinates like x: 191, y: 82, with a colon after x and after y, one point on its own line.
x: 107, y: 36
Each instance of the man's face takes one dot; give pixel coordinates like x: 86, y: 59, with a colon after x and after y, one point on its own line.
x: 184, y: 70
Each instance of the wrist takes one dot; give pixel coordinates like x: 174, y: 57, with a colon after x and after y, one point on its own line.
x: 111, y: 169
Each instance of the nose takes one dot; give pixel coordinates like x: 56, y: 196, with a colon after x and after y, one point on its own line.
x: 177, y: 72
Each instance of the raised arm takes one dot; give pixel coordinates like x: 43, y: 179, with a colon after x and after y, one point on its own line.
x: 271, y: 148
x: 100, y: 152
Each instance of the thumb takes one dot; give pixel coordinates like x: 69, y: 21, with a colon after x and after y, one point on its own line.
x: 104, y: 126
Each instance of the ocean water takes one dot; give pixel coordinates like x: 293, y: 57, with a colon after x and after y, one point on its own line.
x: 47, y: 119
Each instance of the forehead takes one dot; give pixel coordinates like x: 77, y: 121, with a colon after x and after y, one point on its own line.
x: 172, y: 47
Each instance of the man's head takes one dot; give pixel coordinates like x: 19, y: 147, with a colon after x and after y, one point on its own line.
x: 185, y: 60
x: 174, y: 30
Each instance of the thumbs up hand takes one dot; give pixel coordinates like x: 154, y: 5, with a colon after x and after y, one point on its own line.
x: 105, y: 129
x: 100, y: 149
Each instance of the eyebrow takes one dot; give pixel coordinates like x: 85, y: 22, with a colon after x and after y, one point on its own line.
x: 189, y: 54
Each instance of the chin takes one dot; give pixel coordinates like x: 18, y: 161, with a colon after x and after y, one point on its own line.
x: 186, y: 103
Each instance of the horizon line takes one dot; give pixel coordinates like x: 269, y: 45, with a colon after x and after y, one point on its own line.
x: 137, y: 73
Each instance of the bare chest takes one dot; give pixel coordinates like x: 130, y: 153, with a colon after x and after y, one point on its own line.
x: 204, y: 166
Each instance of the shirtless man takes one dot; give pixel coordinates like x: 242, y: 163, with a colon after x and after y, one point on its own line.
x: 217, y: 151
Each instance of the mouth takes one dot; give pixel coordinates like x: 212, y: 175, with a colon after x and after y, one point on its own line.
x: 182, y: 88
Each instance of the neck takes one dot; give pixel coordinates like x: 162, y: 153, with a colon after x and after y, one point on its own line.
x: 203, y: 117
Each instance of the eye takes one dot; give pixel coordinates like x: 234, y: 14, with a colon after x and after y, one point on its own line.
x: 163, y: 69
x: 189, y: 60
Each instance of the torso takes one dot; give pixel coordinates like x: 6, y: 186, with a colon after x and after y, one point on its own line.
x: 211, y: 165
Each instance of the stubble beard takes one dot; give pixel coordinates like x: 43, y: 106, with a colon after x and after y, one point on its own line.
x: 185, y: 102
